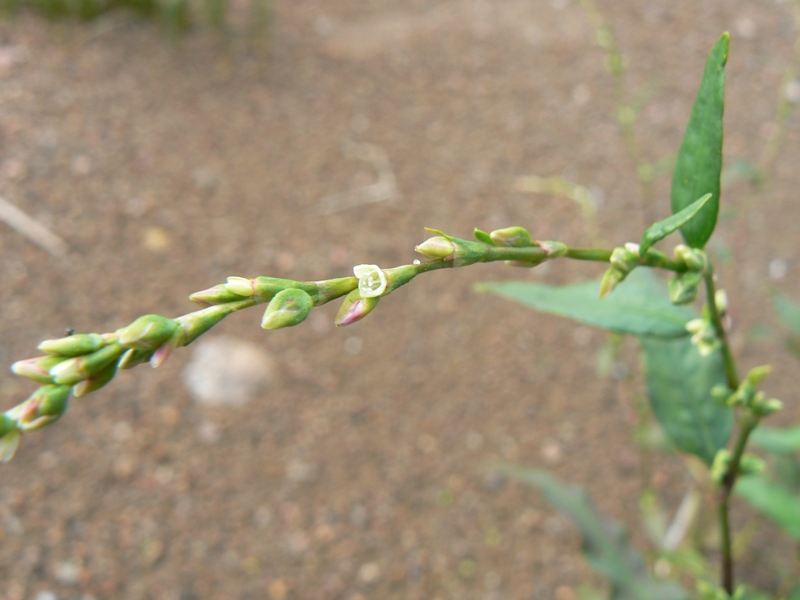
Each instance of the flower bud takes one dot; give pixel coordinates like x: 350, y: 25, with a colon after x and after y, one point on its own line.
x: 73, y: 345
x: 94, y: 383
x: 695, y: 260
x: 286, y: 309
x: 193, y: 325
x: 515, y: 237
x: 553, y: 249
x: 764, y: 408
x: 240, y: 286
x: 719, y: 468
x: 437, y: 247
x: 750, y: 464
x: 354, y: 308
x: 623, y: 259
x: 610, y: 280
x: 721, y: 300
x: 38, y: 368
x: 219, y: 294
x: 147, y: 332
x: 76, y: 369
x: 9, y: 437
x: 45, y: 406
x: 683, y: 287
x: 372, y: 280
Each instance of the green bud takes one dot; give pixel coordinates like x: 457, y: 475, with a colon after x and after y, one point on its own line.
x: 9, y: 437
x: 721, y: 301
x: 241, y: 286
x: 624, y: 259
x: 76, y: 369
x: 147, y: 332
x: 683, y: 287
x: 719, y: 468
x: 73, y: 345
x: 286, y: 309
x: 193, y: 325
x: 38, y: 368
x: 611, y: 278
x: 330, y: 289
x: 354, y: 308
x: 695, y: 260
x: 553, y: 249
x: 45, y: 406
x: 757, y: 374
x: 514, y: 237
x: 94, y: 383
x: 219, y: 294
x: 764, y: 408
x: 721, y: 392
x: 437, y: 247
x: 134, y: 357
x: 750, y: 464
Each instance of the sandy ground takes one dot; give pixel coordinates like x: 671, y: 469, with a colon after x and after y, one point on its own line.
x: 361, y: 471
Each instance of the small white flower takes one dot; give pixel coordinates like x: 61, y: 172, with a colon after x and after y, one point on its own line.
x: 372, y: 280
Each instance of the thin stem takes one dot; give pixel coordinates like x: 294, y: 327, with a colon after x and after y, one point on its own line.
x: 746, y: 426
x: 595, y: 254
x: 716, y: 320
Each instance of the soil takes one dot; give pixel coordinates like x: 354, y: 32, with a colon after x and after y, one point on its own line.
x: 364, y: 470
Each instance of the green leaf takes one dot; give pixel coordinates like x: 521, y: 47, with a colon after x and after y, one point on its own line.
x: 639, y: 306
x: 788, y: 311
x: 777, y: 441
x: 604, y: 541
x: 658, y: 231
x: 794, y: 594
x: 484, y: 237
x: 697, y: 170
x: 679, y: 382
x: 776, y: 502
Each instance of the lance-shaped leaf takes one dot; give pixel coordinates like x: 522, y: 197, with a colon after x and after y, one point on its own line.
x: 776, y: 502
x: 679, y: 382
x: 658, y: 231
x: 699, y: 164
x: 639, y: 306
x: 604, y: 542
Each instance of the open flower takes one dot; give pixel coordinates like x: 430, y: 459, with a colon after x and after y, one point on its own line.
x: 372, y: 280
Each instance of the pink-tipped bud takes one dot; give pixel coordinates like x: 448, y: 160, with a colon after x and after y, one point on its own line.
x: 219, y: 294
x: 354, y: 308
x: 37, y: 369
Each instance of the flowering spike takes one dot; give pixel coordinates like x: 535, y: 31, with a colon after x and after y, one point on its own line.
x: 76, y: 369
x: 73, y: 345
x: 354, y: 308
x: 286, y: 309
x: 147, y: 332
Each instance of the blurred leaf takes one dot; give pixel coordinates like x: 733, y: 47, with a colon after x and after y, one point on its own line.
x: 795, y: 593
x: 777, y: 441
x: 604, y: 542
x: 658, y: 231
x: 788, y: 311
x: 777, y: 503
x: 699, y: 164
x: 742, y: 169
x: 639, y: 306
x: 679, y: 382
x: 787, y: 470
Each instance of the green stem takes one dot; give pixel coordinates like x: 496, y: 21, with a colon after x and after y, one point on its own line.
x: 716, y: 320
x: 595, y: 254
x: 746, y: 426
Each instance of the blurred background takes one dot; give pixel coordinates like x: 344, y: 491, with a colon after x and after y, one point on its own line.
x: 296, y: 139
